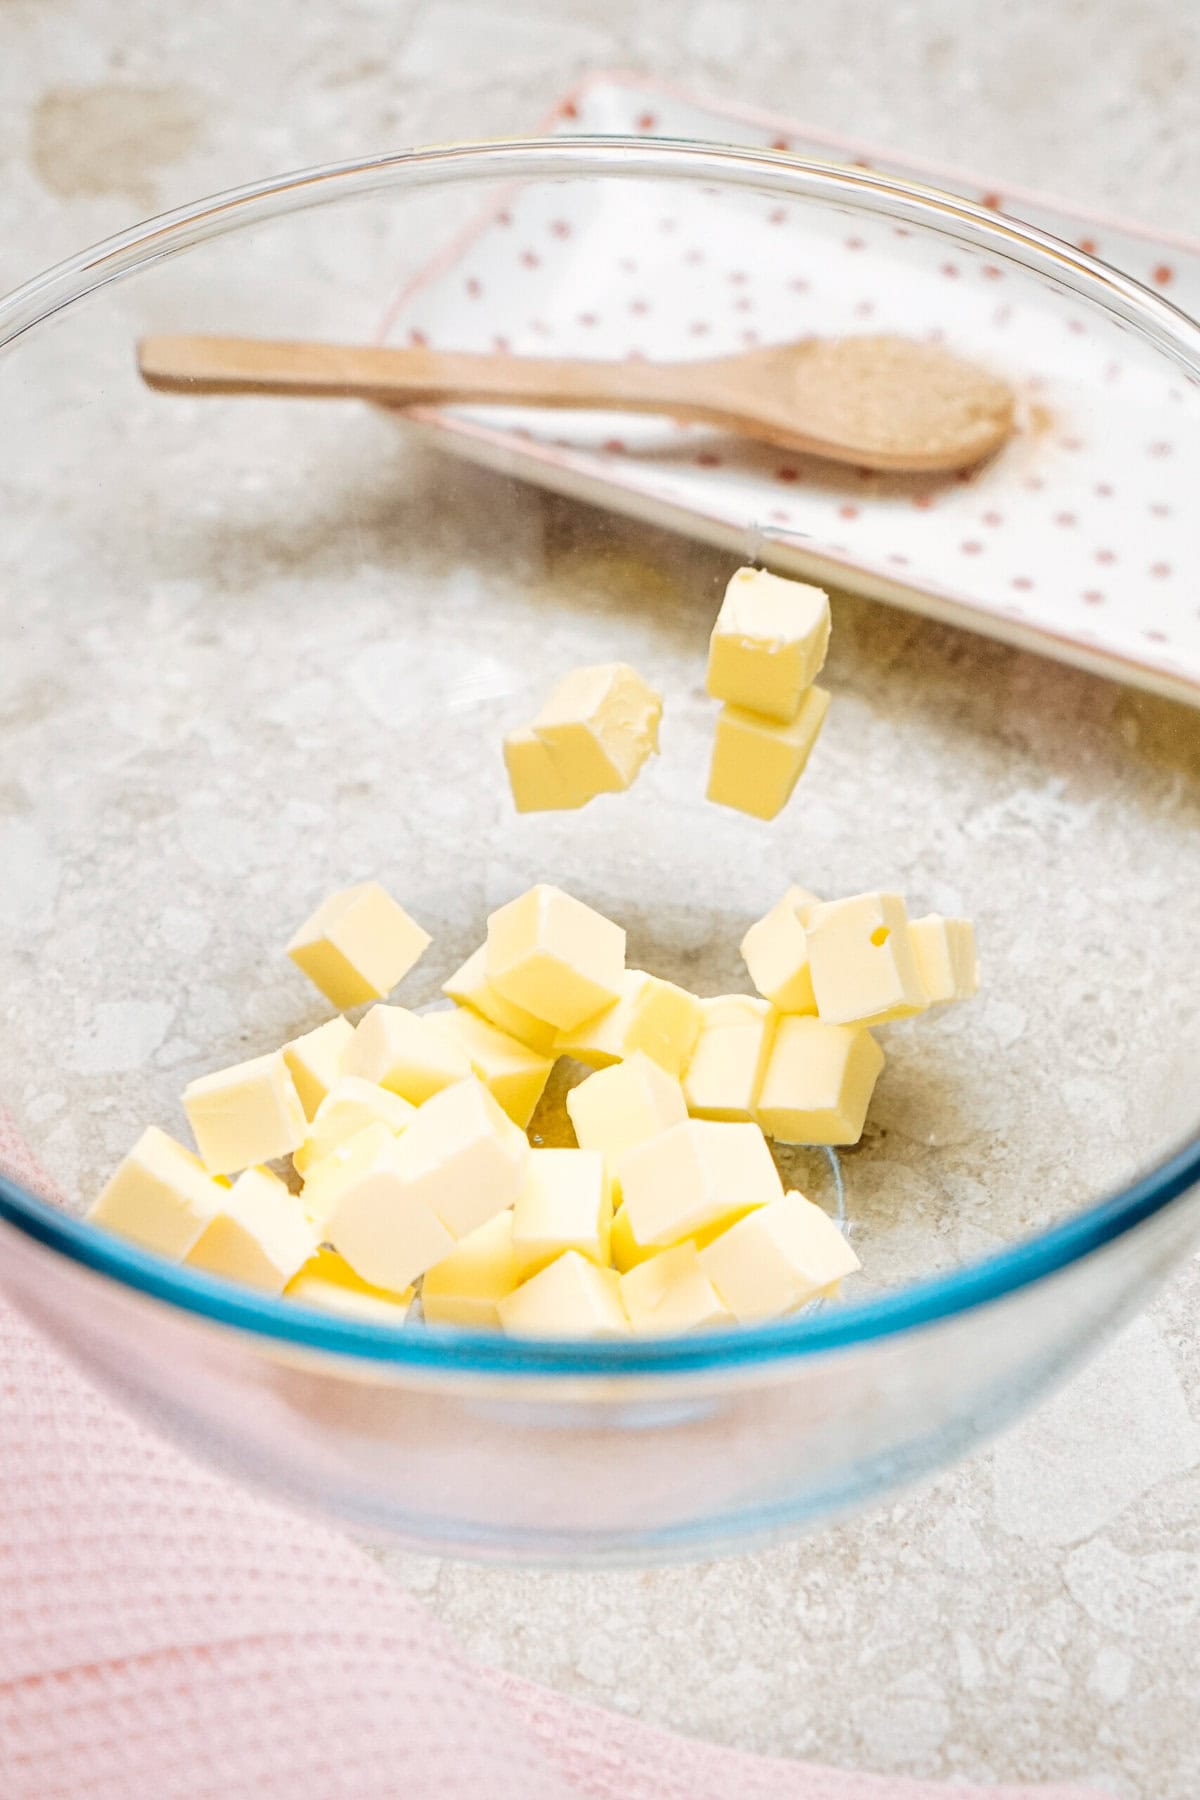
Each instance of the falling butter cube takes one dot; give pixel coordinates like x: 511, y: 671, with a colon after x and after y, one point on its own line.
x: 756, y: 761
x: 652, y: 1015
x: 405, y: 1052
x: 512, y: 1073
x: 317, y: 1060
x: 571, y: 1297
x: 670, y: 1292
x: 591, y: 737
x: 247, y: 1114
x: 358, y: 944
x: 349, y: 1106
x: 469, y: 986
x: 769, y: 643
x: 328, y: 1283
x: 775, y: 951
x: 622, y: 1106
x: 776, y: 1259
x: 467, y: 1285
x: 554, y: 956
x: 725, y: 1074
x: 693, y: 1177
x: 160, y: 1196
x: 945, y: 953
x: 535, y: 779
x: 564, y: 1204
x: 864, y: 968
x: 260, y: 1235
x: 818, y: 1082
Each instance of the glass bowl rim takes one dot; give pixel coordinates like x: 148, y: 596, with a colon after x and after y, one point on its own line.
x: 917, y: 1304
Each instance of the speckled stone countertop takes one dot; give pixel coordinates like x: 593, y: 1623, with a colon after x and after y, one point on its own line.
x: 1036, y: 1613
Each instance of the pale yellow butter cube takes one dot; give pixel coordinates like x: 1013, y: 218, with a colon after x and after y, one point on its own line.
x: 756, y: 761
x: 565, y: 1203
x: 512, y: 1073
x: 777, y: 1259
x: 819, y: 1082
x: 624, y: 1105
x: 945, y: 953
x: 695, y: 1176
x: 328, y: 1283
x: 652, y: 1015
x: 599, y: 725
x: 569, y: 1298
x: 669, y: 1291
x: 405, y: 1051
x: 537, y: 783
x: 349, y: 1106
x: 373, y: 1215
x: 160, y: 1196
x: 358, y: 944
x: 247, y: 1114
x: 864, y: 968
x: 775, y: 950
x: 469, y: 986
x: 769, y: 642
x: 317, y: 1060
x: 463, y: 1157
x: 724, y: 1076
x: 465, y: 1287
x: 260, y: 1235
x: 554, y: 956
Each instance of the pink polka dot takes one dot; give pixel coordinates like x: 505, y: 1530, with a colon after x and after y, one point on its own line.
x: 668, y: 225
x: 1094, y: 597
x: 635, y: 356
x: 504, y: 218
x: 1160, y: 448
x: 530, y: 259
x: 560, y: 228
x: 847, y: 512
x: 1065, y: 518
x: 694, y: 258
x: 991, y: 201
x: 474, y: 287
x: 1161, y: 570
x: 569, y: 110
x: 522, y: 431
x: 646, y: 121
x: 780, y: 514
x: 1160, y: 509
x: 501, y: 343
x: 799, y: 285
x: 589, y: 319
x: 1112, y: 371
x: 935, y: 335
x: 855, y: 243
x: 627, y: 265
x: 1002, y: 316
x: 744, y: 304
x: 1106, y: 557
x: 993, y: 518
x: 1072, y: 443
x: 1034, y: 483
x: 992, y: 272
x: 749, y: 337
x: 541, y: 328
x: 901, y: 231
x: 779, y: 143
x: 1157, y: 637
x: 1022, y: 583
x: 951, y: 271
x: 738, y: 277
x: 1163, y: 275
x: 972, y: 547
x: 615, y: 446
x: 1077, y: 326
x: 786, y: 474
x: 900, y: 561
x: 1104, y: 490
x: 1088, y: 246
x: 922, y: 502
x: 639, y: 307
x: 708, y: 460
x: 699, y: 328
x: 418, y: 338
x: 777, y: 215
x: 864, y: 309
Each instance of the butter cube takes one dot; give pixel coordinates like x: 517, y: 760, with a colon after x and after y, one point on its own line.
x: 358, y: 944
x: 756, y: 761
x: 260, y: 1234
x: 768, y: 644
x: 537, y: 783
x: 945, y: 953
x: 405, y: 1052
x: 864, y: 968
x: 670, y: 1292
x: 469, y: 986
x: 653, y: 1016
x: 599, y: 725
x: 564, y: 1204
x: 777, y: 1259
x: 373, y: 1214
x: 465, y: 1287
x: 569, y: 1298
x: 349, y: 1106
x: 695, y: 1176
x: 513, y: 1074
x: 160, y: 1196
x: 725, y: 1074
x: 244, y: 1115
x: 554, y: 956
x: 622, y: 1106
x: 328, y: 1283
x: 317, y: 1060
x: 775, y: 950
x: 819, y: 1082
x: 463, y: 1157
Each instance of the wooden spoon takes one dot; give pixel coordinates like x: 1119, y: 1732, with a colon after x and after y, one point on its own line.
x: 877, y: 402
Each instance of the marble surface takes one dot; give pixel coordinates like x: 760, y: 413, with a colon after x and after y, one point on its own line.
x: 1034, y: 1614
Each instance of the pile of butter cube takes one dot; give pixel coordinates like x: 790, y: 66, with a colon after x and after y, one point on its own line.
x: 401, y: 1145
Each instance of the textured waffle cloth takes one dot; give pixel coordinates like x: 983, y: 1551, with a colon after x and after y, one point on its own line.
x: 166, y: 1636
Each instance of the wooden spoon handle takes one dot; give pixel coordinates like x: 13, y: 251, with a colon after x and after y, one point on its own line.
x: 227, y: 365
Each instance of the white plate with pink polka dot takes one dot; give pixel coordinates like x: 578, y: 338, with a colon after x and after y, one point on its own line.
x: 1080, y: 539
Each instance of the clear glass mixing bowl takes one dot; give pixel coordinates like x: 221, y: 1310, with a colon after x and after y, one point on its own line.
x: 254, y: 650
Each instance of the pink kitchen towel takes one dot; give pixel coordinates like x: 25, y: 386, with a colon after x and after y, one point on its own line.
x: 165, y: 1635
